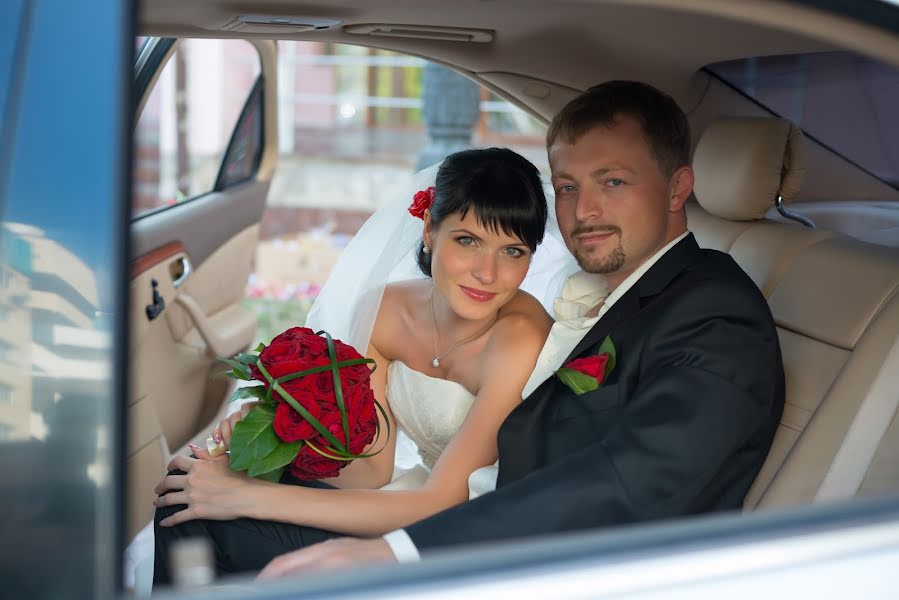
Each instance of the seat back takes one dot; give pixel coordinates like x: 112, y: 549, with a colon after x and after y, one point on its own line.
x: 835, y: 301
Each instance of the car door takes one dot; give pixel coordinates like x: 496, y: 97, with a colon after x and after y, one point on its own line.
x: 195, y: 224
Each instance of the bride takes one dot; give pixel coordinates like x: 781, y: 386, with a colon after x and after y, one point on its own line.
x: 455, y: 350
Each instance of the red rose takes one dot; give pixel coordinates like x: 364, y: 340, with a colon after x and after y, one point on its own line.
x: 364, y: 434
x: 345, y: 352
x: 362, y: 430
x: 324, y: 385
x: 360, y: 403
x: 313, y: 347
x: 301, y: 389
x: 290, y: 426
x: 282, y: 358
x: 594, y: 366
x: 293, y: 333
x: 309, y: 465
x: 421, y: 202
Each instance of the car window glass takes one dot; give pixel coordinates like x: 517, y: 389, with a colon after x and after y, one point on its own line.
x: 843, y: 100
x: 188, y: 119
x: 245, y: 149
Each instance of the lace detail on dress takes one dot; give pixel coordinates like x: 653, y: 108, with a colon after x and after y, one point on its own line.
x: 429, y: 410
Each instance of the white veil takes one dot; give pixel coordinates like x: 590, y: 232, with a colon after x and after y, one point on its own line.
x: 384, y: 250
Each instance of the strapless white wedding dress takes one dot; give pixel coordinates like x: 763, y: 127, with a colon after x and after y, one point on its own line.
x: 428, y: 412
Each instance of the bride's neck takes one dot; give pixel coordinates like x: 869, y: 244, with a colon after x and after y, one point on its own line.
x: 451, y: 326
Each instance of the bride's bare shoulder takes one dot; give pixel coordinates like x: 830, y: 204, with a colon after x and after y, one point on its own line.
x: 400, y: 306
x: 404, y: 295
x: 524, y: 307
x: 523, y: 321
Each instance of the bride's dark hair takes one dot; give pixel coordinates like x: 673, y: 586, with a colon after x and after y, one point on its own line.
x: 502, y: 188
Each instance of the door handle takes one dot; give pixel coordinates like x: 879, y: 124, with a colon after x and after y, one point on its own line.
x: 158, y: 302
x: 179, y: 270
x: 215, y: 345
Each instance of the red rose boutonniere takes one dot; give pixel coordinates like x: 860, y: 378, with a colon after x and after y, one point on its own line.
x: 421, y: 202
x: 586, y: 374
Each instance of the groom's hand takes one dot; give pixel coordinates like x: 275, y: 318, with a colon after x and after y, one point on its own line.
x: 330, y: 554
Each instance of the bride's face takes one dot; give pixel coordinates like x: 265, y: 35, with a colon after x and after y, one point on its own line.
x: 475, y: 269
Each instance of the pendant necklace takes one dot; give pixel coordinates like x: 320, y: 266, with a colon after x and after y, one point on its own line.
x: 437, y: 356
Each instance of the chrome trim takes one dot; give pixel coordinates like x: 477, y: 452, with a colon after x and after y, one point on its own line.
x: 185, y: 271
x: 145, y: 52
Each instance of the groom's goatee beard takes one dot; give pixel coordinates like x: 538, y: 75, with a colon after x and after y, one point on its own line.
x: 602, y: 264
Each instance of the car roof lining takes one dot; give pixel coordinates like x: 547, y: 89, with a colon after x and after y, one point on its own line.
x: 676, y: 40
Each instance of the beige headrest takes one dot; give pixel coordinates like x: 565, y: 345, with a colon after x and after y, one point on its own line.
x: 743, y: 163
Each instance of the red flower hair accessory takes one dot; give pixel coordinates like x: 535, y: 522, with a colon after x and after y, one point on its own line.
x: 421, y: 202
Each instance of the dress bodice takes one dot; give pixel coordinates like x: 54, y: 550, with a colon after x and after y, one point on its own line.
x: 428, y: 410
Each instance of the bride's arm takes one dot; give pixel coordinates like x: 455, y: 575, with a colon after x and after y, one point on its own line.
x: 508, y: 363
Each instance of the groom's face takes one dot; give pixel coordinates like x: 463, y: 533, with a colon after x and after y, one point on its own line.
x: 612, y: 199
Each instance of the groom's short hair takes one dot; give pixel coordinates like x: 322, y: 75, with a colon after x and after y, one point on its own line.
x: 664, y: 123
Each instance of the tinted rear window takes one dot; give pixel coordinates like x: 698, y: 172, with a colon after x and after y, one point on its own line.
x: 845, y: 101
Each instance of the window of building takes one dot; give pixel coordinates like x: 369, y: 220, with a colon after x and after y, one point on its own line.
x: 6, y: 394
x: 7, y: 353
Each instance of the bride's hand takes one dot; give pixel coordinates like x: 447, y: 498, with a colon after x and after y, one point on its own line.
x: 209, y: 488
x: 225, y: 429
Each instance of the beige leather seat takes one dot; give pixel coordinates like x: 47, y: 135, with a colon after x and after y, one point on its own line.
x: 836, y: 304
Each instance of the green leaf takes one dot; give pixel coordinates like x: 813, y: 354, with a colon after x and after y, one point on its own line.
x: 253, y: 438
x: 260, y: 347
x: 280, y: 457
x: 244, y: 392
x: 578, y: 382
x: 273, y: 476
x: 608, y: 347
x: 246, y: 359
x: 240, y: 370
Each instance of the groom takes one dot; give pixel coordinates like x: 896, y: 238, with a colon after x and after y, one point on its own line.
x: 683, y: 422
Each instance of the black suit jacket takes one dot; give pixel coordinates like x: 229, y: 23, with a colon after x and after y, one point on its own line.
x: 681, y: 426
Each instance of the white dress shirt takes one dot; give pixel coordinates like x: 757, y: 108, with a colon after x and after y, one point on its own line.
x: 581, y: 292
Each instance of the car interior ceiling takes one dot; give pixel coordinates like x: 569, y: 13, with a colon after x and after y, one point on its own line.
x: 835, y: 299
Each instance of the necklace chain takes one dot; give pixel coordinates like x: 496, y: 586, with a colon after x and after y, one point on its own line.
x: 437, y: 356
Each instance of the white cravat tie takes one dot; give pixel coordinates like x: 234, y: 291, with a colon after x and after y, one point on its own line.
x: 594, y: 312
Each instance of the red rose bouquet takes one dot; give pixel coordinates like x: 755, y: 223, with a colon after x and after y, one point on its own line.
x: 316, y: 411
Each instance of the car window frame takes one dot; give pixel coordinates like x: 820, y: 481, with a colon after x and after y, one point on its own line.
x: 151, y: 59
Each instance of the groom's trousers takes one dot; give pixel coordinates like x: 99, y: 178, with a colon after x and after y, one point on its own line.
x: 239, y: 545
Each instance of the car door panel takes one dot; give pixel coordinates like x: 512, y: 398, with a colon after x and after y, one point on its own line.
x: 199, y: 253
